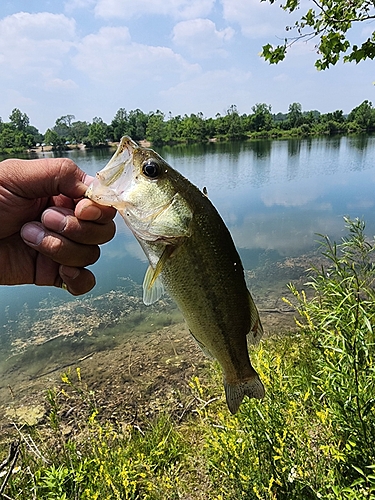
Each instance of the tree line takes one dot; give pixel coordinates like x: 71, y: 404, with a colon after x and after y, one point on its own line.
x: 158, y: 128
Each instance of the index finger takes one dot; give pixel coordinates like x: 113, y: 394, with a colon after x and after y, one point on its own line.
x: 90, y: 211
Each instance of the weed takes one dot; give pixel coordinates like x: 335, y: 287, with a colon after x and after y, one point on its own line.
x: 311, y: 437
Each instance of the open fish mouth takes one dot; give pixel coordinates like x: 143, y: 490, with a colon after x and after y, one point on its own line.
x: 117, y: 166
x: 116, y: 177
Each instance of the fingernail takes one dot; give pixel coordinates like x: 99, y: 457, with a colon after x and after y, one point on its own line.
x: 88, y: 179
x: 32, y: 233
x: 54, y: 220
x: 91, y: 213
x: 69, y: 272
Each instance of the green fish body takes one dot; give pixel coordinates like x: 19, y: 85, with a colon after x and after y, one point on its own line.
x: 191, y: 255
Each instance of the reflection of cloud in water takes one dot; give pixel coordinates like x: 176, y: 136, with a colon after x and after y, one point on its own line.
x: 288, y: 236
x: 360, y: 203
x: 134, y: 249
x: 325, y: 205
x: 291, y: 195
x: 124, y: 247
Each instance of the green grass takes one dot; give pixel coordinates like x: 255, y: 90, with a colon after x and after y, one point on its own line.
x: 311, y: 437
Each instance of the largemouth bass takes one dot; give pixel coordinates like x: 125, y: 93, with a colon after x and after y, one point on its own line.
x: 191, y: 255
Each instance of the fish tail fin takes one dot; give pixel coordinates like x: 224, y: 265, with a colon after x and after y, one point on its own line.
x: 234, y: 393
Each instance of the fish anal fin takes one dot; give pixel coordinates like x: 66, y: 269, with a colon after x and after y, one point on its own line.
x: 234, y: 393
x: 256, y: 328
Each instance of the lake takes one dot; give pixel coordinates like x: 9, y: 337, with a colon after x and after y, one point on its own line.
x: 274, y: 196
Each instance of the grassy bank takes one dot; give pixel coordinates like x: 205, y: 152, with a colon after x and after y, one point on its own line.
x: 311, y: 437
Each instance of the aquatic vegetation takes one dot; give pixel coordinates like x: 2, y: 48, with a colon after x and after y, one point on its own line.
x: 311, y: 437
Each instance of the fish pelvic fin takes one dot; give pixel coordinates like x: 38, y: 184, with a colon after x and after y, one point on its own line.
x: 203, y: 348
x: 235, y: 393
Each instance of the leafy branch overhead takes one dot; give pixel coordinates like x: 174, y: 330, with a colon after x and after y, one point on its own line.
x: 330, y: 22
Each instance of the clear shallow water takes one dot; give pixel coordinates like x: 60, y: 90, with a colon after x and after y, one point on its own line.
x: 273, y: 195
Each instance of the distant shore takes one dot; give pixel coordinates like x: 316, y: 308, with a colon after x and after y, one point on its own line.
x: 70, y: 147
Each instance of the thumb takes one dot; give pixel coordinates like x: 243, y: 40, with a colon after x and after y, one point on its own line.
x: 43, y: 178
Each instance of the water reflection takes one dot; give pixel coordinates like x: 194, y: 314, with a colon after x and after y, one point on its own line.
x: 294, y: 147
x: 360, y: 141
x: 274, y: 196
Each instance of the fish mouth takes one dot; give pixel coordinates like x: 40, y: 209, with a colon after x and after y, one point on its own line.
x: 111, y: 182
x: 119, y: 162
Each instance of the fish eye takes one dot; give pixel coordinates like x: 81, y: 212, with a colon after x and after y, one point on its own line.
x: 150, y: 169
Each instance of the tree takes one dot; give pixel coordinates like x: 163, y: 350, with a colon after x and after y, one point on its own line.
x: 364, y: 116
x: 138, y: 121
x: 98, y: 132
x: 193, y: 128
x: 329, y: 21
x: 234, y: 123
x: 155, y: 127
x: 262, y: 118
x: 295, y: 117
x: 33, y: 135
x: 63, y: 125
x: 120, y: 124
x: 172, y: 128
x: 19, y: 120
x: 54, y: 139
x: 78, y: 132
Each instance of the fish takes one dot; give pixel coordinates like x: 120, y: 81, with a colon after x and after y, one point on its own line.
x: 191, y: 255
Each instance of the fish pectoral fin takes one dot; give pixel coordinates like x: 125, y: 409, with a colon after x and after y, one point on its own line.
x: 256, y: 328
x: 153, y: 287
x: 202, y: 346
x: 235, y: 393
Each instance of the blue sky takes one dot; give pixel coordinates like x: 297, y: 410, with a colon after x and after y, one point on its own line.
x: 90, y: 57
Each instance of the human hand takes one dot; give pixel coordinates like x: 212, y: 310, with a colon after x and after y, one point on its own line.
x: 48, y: 233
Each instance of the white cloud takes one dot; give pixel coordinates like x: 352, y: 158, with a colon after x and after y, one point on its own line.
x: 209, y: 92
x: 110, y: 56
x: 57, y: 84
x: 256, y: 19
x: 16, y: 99
x: 40, y: 26
x: 282, y: 77
x: 34, y: 42
x: 71, y: 5
x: 179, y: 9
x: 201, y: 38
x: 35, y: 59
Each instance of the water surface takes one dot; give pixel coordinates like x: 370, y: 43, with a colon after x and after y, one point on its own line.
x: 273, y: 195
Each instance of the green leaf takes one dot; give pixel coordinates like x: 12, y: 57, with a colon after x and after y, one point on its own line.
x: 273, y: 54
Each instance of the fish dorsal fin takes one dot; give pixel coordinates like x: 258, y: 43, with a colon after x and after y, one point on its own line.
x: 153, y: 287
